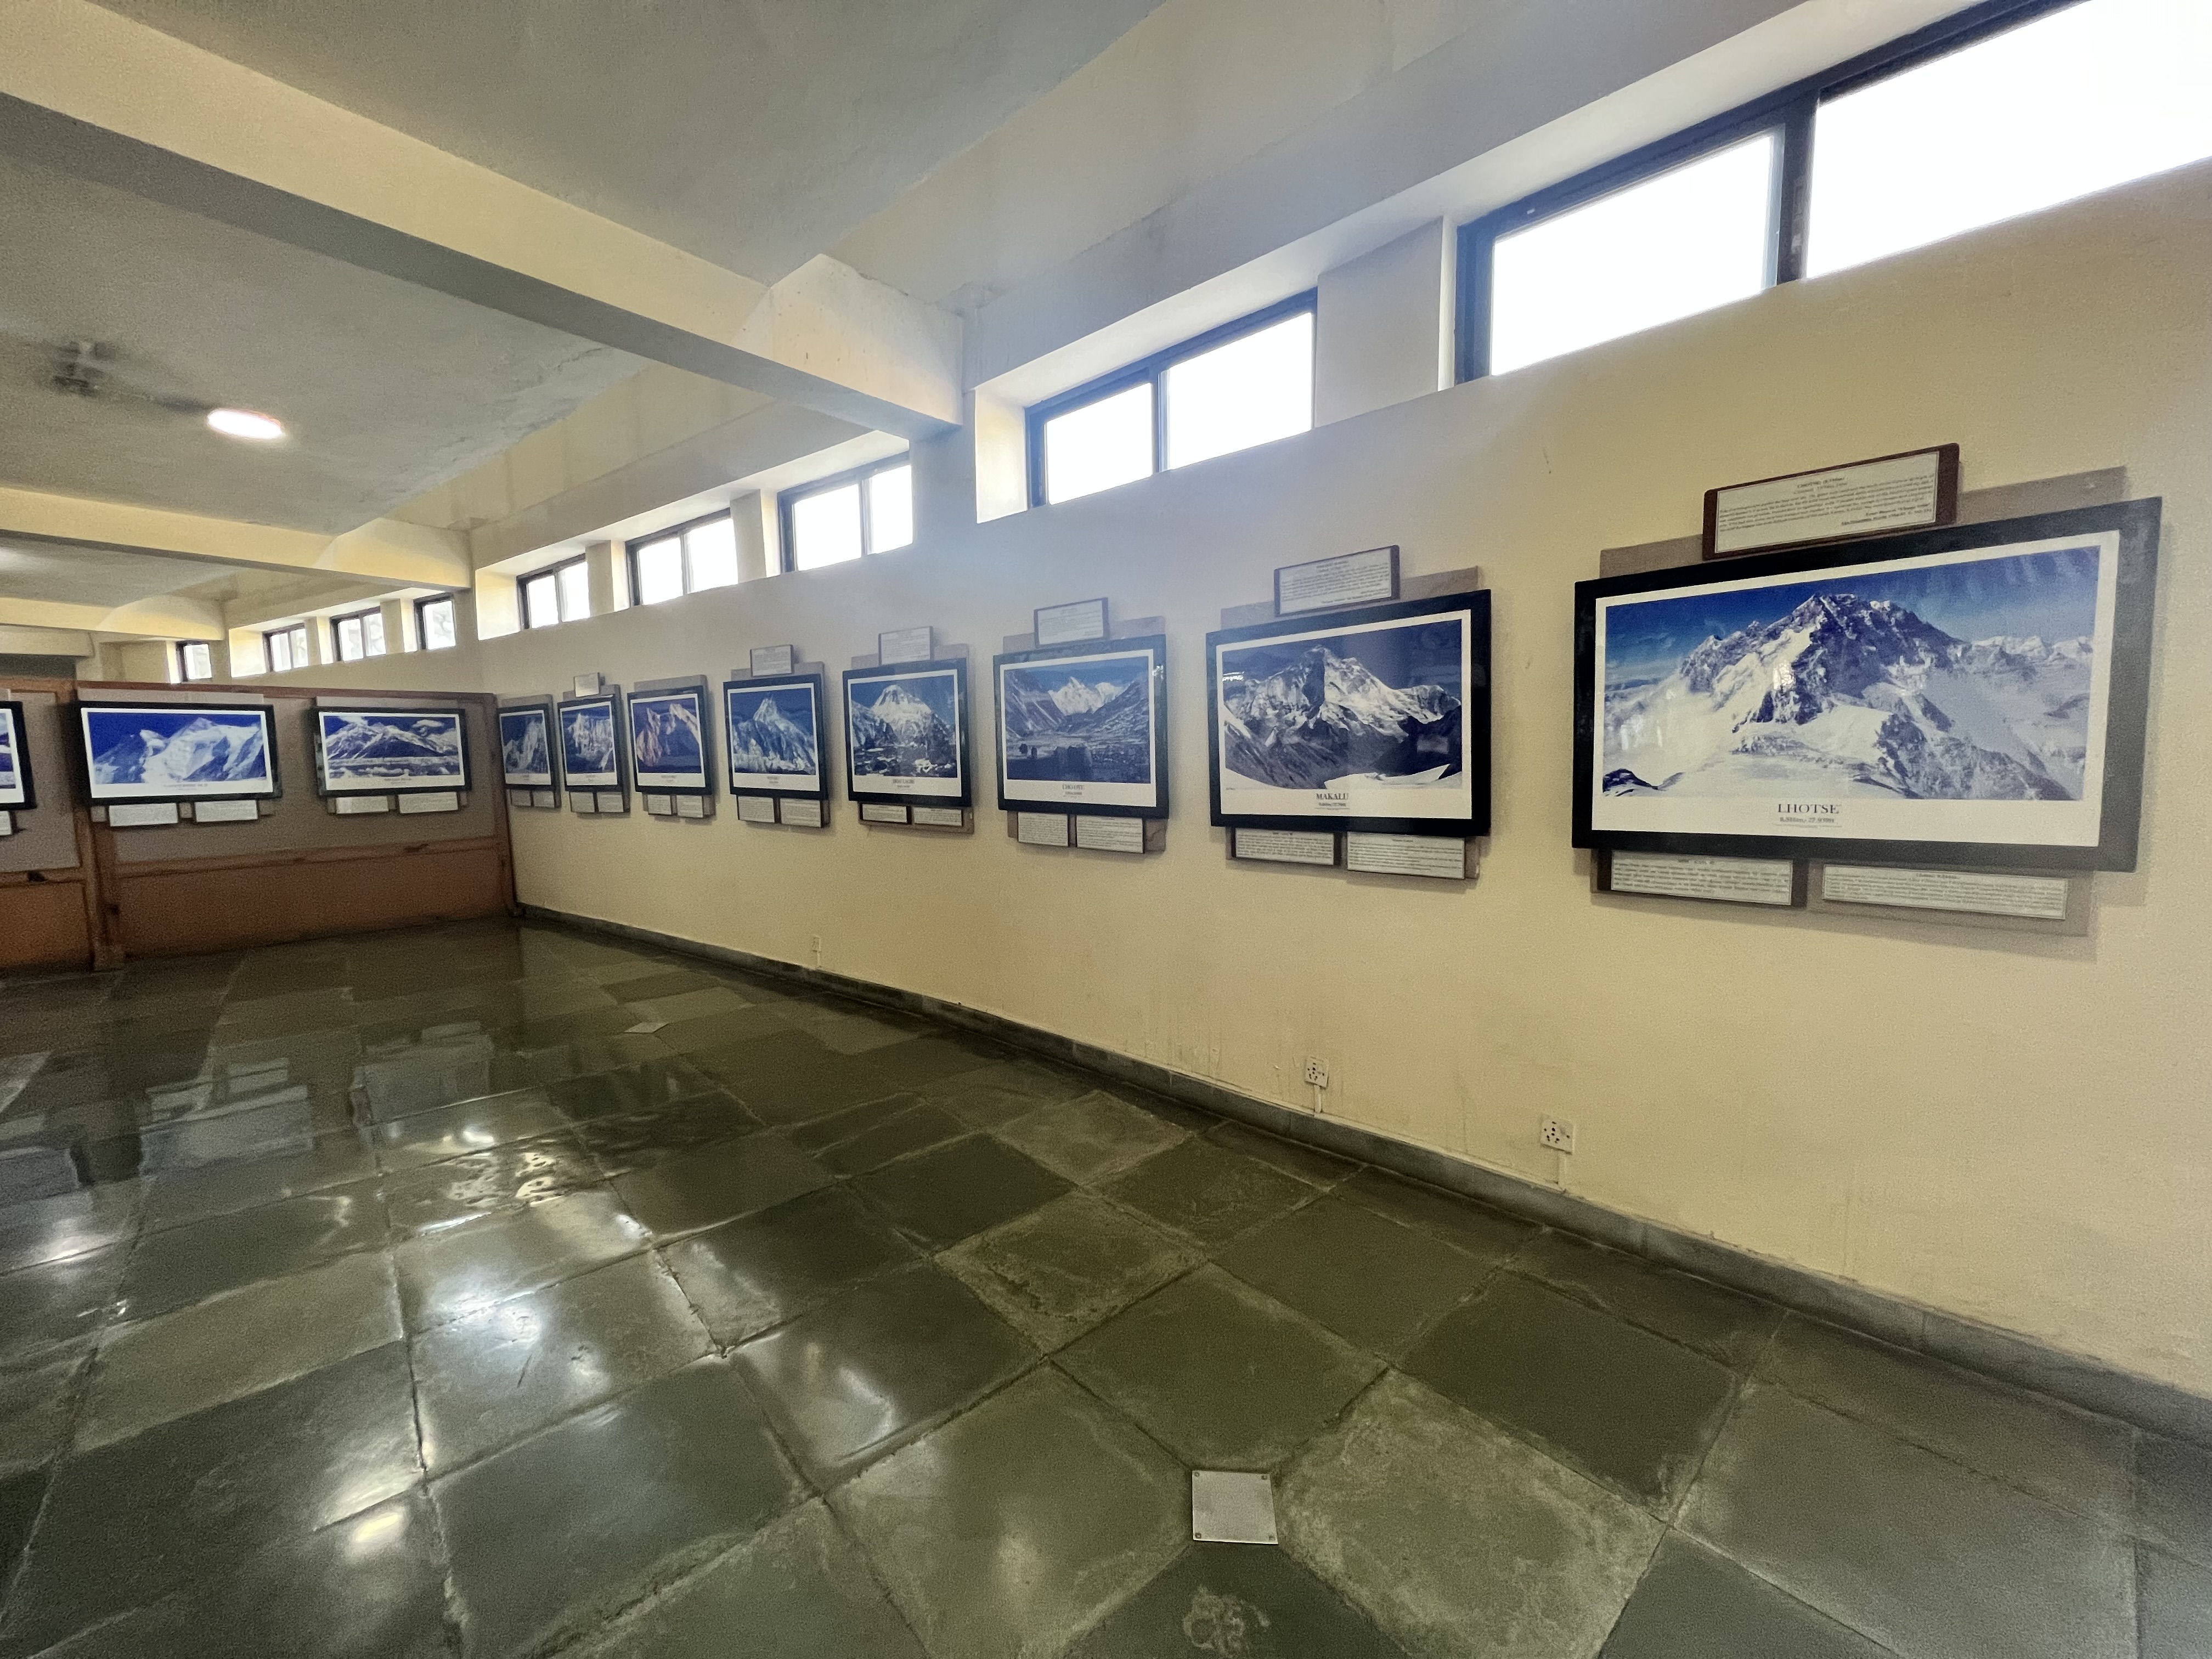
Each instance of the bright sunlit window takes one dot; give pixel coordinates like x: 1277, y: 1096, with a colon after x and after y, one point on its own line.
x: 433, y: 622
x: 286, y: 648
x: 359, y: 636
x: 687, y: 559
x: 195, y: 660
x: 1247, y: 383
x: 559, y: 593
x: 849, y: 516
x: 1672, y: 245
x: 2075, y: 101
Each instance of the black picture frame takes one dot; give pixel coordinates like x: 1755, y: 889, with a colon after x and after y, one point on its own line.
x: 1091, y: 797
x: 106, y: 794
x: 619, y: 717
x: 543, y: 709
x: 857, y: 680
x: 1471, y: 609
x: 318, y: 738
x: 735, y: 694
x: 2133, y: 528
x: 702, y: 716
x: 23, y: 796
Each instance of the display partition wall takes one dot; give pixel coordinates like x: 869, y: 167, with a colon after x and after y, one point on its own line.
x: 77, y: 891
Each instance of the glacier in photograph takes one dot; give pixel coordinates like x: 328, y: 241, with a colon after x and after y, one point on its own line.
x: 135, y: 746
x: 522, y: 744
x: 1086, y: 721
x: 587, y: 739
x: 777, y: 735
x: 664, y: 734
x: 389, y: 748
x: 1381, y: 707
x: 1966, y: 681
x: 905, y: 727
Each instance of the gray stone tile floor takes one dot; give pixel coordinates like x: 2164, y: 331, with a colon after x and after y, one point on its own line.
x: 383, y: 1297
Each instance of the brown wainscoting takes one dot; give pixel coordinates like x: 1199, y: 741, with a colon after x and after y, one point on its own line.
x: 225, y: 904
x: 43, y: 923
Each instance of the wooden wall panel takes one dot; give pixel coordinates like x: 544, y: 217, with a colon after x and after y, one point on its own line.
x: 43, y: 925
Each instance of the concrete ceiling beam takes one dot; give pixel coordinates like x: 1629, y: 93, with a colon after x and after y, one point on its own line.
x: 89, y: 92
x: 164, y: 617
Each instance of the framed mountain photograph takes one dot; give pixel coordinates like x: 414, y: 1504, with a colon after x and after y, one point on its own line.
x: 906, y: 733
x: 382, y: 752
x: 177, y: 751
x: 774, y: 726
x: 591, y: 741
x: 525, y: 746
x: 1375, y: 719
x: 1971, y: 696
x: 16, y: 793
x: 668, y: 740
x: 1084, y: 728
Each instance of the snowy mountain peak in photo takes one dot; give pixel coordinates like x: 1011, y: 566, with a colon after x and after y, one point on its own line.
x: 1077, y: 698
x: 378, y: 740
x: 1850, y: 697
x: 203, y: 751
x: 526, y: 750
x: 900, y: 735
x: 1322, y: 717
x: 770, y: 741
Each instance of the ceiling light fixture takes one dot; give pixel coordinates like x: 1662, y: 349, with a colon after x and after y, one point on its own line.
x: 245, y: 424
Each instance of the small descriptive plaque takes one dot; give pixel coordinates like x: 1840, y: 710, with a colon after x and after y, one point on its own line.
x: 941, y: 817
x: 587, y: 685
x: 768, y: 661
x: 544, y: 798
x: 432, y: 801
x: 226, y: 811
x: 1040, y: 829
x: 1348, y: 579
x: 1978, y: 893
x: 1066, y: 624
x: 1437, y: 856
x: 904, y: 645
x: 1284, y: 846
x: 800, y: 814
x: 143, y: 814
x: 584, y: 800
x: 756, y: 809
x: 7, y: 824
x: 659, y: 806
x: 360, y: 805
x: 1110, y: 834
x: 877, y: 811
x: 522, y: 798
x: 610, y: 800
x: 1891, y: 492
x: 1683, y: 875
x: 690, y: 807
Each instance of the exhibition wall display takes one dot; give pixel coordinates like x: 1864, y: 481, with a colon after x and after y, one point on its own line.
x: 525, y: 746
x: 390, y: 751
x: 177, y: 752
x: 16, y: 790
x: 1084, y: 728
x: 906, y: 733
x: 774, y: 726
x: 668, y: 740
x: 591, y: 742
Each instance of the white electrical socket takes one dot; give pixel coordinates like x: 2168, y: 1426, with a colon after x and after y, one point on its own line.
x: 818, y: 949
x: 1317, y: 1072
x: 1559, y: 1133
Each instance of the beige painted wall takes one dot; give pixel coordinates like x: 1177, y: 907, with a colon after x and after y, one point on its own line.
x: 2012, y: 1129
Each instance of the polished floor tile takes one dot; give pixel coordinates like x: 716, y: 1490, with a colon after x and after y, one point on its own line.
x: 335, y: 1158
x: 838, y: 1127
x: 2173, y: 1497
x: 1056, y: 1271
x: 560, y: 1530
x: 703, y: 1038
x: 1718, y: 1323
x: 1369, y: 1280
x: 1014, y: 1528
x: 43, y: 1307
x: 927, y: 1059
x: 913, y: 1131
x: 38, y: 1397
x: 952, y: 1192
x: 1089, y: 1138
x: 1693, y: 1605
x: 1483, y: 1233
x: 431, y: 1196
x: 155, y: 1370
x: 1251, y: 1602
x: 746, y: 1276
x: 71, y: 1223
x: 620, y: 1145
x: 225, y: 1252
x: 719, y: 1183
x: 1921, y: 1555
x: 1457, y: 1539
x: 879, y: 1363
x: 1308, y: 1163
x: 494, y: 1376
x: 707, y: 1002
x: 628, y: 1090
x: 1222, y: 1375
x: 663, y: 983
x: 21, y: 1496
x: 1207, y: 1193
x: 472, y: 1126
x: 463, y: 1270
x: 2173, y: 1606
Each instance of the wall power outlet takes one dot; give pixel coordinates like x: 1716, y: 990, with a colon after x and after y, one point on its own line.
x: 1559, y: 1133
x: 1317, y: 1072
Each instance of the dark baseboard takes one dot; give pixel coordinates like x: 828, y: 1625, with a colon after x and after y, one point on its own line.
x: 2006, y: 1355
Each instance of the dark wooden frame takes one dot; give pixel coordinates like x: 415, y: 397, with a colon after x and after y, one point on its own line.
x: 706, y: 785
x: 1396, y: 578
x: 621, y: 715
x: 1947, y: 500
x: 323, y: 787
x: 1474, y: 715
x: 958, y: 668
x: 1157, y: 644
x: 2125, y: 719
x: 83, y: 752
x: 552, y: 742
x: 756, y: 684
x: 12, y: 712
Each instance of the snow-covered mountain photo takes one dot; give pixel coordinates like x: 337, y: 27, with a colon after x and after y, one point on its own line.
x: 366, y: 748
x: 1379, y: 707
x: 523, y: 746
x: 1949, y: 682
x: 190, y: 751
x: 664, y: 737
x: 1087, y: 720
x: 10, y: 779
x: 905, y: 727
x: 587, y: 740
x: 772, y: 733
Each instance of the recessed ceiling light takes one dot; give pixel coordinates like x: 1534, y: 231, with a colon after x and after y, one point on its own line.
x: 245, y: 424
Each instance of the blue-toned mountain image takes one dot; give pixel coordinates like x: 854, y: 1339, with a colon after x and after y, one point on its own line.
x: 1379, y: 707
x: 9, y: 777
x: 1848, y: 688
x: 391, y: 748
x: 587, y: 739
x: 136, y: 747
x: 1088, y: 720
x: 523, y: 749
x: 908, y: 728
x: 777, y: 736
x: 664, y: 735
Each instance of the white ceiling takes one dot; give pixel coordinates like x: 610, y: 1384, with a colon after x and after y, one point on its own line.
x: 87, y: 576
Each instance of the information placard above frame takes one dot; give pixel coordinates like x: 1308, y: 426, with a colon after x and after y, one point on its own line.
x: 670, y: 736
x: 1375, y: 719
x: 1919, y: 489
x: 526, y: 749
x: 389, y: 751
x: 907, y: 734
x: 773, y: 722
x: 1974, y: 695
x: 1368, y: 577
x: 177, y: 752
x: 17, y: 791
x: 1084, y: 728
x: 591, y: 732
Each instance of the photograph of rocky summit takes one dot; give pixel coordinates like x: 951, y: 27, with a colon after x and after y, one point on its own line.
x: 906, y: 729
x: 1088, y: 720
x: 1381, y: 705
